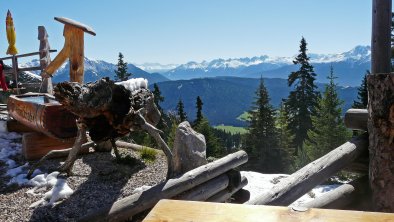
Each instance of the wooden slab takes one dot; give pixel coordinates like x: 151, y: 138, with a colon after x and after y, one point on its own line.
x: 76, y: 24
x: 43, y: 113
x: 15, y: 126
x: 176, y: 210
x: 35, y: 145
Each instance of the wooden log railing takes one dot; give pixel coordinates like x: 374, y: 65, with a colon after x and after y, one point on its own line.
x: 342, y: 196
x: 356, y: 119
x: 138, y: 202
x: 297, y: 184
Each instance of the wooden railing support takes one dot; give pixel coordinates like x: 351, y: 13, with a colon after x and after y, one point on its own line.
x: 297, y: 184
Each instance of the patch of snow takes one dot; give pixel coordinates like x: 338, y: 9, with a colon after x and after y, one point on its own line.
x: 134, y: 84
x: 3, y: 126
x: 259, y: 184
x: 59, y: 188
x: 180, y: 86
x: 314, y: 193
x: 141, y: 189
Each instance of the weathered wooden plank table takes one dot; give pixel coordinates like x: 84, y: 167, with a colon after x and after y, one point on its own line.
x: 176, y: 210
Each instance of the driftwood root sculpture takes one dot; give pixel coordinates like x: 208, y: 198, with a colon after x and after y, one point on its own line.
x: 108, y: 111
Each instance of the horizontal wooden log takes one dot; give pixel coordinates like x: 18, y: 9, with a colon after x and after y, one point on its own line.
x: 356, y: 119
x: 133, y: 146
x: 224, y: 195
x: 340, y: 197
x: 26, y: 54
x: 205, y: 190
x: 36, y: 68
x: 297, y: 184
x: 136, y: 203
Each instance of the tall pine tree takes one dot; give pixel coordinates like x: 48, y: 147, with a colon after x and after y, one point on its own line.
x: 180, y: 111
x: 121, y: 73
x: 158, y: 98
x: 199, y: 115
x: 328, y: 131
x: 302, y: 100
x: 215, y: 147
x: 261, y: 140
x: 362, y: 97
x: 285, y: 139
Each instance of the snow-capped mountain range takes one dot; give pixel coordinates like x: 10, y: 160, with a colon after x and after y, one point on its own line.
x: 96, y: 69
x: 349, y: 67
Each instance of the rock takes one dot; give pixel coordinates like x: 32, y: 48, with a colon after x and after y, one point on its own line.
x: 189, y: 149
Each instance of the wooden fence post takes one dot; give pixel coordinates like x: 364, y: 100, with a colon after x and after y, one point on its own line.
x: 45, y: 59
x: 381, y: 110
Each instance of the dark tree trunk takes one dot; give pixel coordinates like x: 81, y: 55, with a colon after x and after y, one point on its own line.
x: 381, y: 134
x: 381, y: 109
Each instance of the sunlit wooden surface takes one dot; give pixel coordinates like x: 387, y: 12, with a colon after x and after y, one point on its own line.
x: 176, y: 210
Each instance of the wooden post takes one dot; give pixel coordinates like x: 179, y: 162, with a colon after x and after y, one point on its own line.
x: 15, y: 72
x: 73, y: 49
x: 356, y: 119
x: 45, y: 59
x: 381, y: 110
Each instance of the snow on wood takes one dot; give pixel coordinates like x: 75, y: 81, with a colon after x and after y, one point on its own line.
x: 134, y: 84
x: 313, y: 174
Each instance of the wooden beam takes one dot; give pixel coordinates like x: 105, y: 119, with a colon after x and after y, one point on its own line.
x: 25, y: 55
x: 356, y: 119
x: 381, y: 109
x: 136, y: 203
x: 342, y: 196
x: 203, y: 191
x: 225, y: 194
x: 297, y: 184
x: 36, y: 68
x: 176, y: 210
x: 381, y: 37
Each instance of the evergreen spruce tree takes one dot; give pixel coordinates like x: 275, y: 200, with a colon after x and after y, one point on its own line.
x: 302, y: 100
x: 362, y: 97
x: 158, y: 98
x: 215, y: 147
x: 165, y: 121
x: 180, y: 111
x: 328, y: 131
x: 199, y: 115
x: 285, y: 140
x: 261, y: 140
x: 121, y: 73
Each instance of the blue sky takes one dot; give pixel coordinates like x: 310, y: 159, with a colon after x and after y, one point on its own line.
x: 178, y: 31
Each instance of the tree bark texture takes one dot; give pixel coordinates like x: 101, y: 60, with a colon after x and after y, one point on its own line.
x: 381, y: 134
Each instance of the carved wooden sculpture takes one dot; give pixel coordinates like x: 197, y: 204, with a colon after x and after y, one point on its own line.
x: 73, y: 49
x: 108, y: 111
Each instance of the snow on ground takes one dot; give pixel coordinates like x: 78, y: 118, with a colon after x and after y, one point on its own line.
x: 58, y: 187
x: 259, y: 183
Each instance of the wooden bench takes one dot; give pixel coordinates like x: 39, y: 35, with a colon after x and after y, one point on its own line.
x: 176, y: 210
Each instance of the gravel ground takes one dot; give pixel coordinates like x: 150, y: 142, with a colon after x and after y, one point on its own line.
x: 98, y: 181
